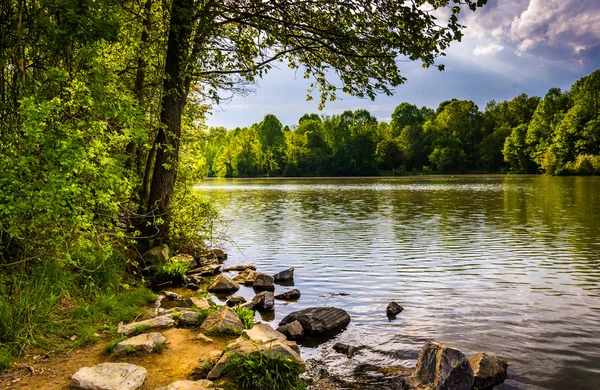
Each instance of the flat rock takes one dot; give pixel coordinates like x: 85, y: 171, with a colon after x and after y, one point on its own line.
x: 264, y: 301
x: 184, y: 259
x: 159, y: 322
x: 223, y: 320
x: 110, y: 376
x: 145, y: 342
x: 441, y: 367
x: 188, y: 317
x: 222, y: 284
x: 200, y: 303
x: 157, y: 255
x: 246, y: 277
x: 288, y: 295
x: 207, y: 270
x: 488, y: 370
x: 263, y: 282
x: 235, y: 300
x: 393, y: 309
x: 262, y: 333
x: 239, y: 267
x: 292, y: 331
x: 284, y: 276
x: 319, y: 319
x: 202, y: 384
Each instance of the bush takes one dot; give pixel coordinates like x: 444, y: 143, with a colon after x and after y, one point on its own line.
x: 259, y: 371
x: 169, y: 272
x: 246, y: 316
x: 585, y: 165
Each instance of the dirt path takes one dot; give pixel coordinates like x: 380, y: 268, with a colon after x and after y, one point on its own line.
x: 176, y: 362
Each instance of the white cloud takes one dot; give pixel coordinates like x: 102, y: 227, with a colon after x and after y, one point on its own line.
x: 488, y: 50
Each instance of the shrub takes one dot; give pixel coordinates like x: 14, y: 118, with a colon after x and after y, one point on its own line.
x: 585, y: 165
x: 259, y: 371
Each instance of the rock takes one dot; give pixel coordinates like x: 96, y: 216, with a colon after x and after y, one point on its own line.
x: 488, y: 370
x: 284, y: 276
x: 264, y: 301
x: 263, y: 282
x: 243, y: 347
x: 203, y: 261
x: 346, y: 349
x: 159, y: 322
x: 185, y: 259
x: 288, y: 295
x: 319, y: 319
x: 200, y: 303
x: 193, y: 286
x: 189, y: 317
x: 441, y: 367
x: 292, y: 331
x: 219, y: 254
x: 172, y: 296
x: 207, y: 270
x: 235, y: 300
x: 222, y: 284
x: 203, y: 338
x: 110, y: 376
x: 393, y: 310
x: 223, y: 320
x: 249, y: 305
x: 239, y: 267
x: 202, y: 384
x: 196, y: 279
x: 261, y: 333
x: 157, y: 255
x: 246, y: 277
x: 144, y: 342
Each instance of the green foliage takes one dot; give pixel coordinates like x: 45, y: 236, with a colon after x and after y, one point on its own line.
x: 260, y: 371
x: 201, y: 372
x: 246, y: 316
x: 109, y: 348
x: 585, y: 165
x: 138, y: 330
x: 169, y: 272
x: 192, y: 224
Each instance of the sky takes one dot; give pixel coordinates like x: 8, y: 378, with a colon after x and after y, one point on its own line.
x: 510, y: 47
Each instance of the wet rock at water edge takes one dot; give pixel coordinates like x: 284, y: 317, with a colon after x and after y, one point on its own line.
x: 246, y: 277
x: 441, y: 367
x: 219, y: 254
x: 207, y: 270
x: 240, y: 267
x: 316, y: 320
x: 234, y: 300
x: 293, y: 330
x: 142, y: 343
x: 202, y: 384
x: 262, y: 333
x: 249, y: 305
x: 157, y: 255
x: 222, y: 284
x: 488, y: 370
x: 117, y: 376
x: 159, y: 322
x: 288, y: 295
x: 346, y: 349
x: 263, y: 282
x: 264, y: 301
x: 172, y: 295
x: 284, y: 276
x: 196, y: 279
x: 393, y: 309
x: 224, y: 321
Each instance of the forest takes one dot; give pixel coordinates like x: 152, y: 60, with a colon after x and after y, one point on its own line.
x: 558, y: 134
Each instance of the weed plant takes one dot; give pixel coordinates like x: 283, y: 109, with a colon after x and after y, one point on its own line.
x: 259, y: 371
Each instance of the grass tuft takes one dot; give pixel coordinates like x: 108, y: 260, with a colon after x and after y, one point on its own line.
x: 246, y: 316
x: 259, y: 371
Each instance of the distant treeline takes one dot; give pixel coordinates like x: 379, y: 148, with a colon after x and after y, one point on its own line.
x: 559, y: 134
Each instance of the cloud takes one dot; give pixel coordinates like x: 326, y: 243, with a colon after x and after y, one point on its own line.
x: 488, y: 50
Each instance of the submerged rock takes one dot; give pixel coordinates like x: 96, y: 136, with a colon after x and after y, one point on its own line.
x: 261, y: 333
x: 224, y: 321
x: 393, y: 309
x: 263, y: 282
x: 284, y: 276
x: 202, y: 384
x: 346, y: 349
x: 288, y: 295
x: 159, y: 322
x: 239, y: 267
x: 113, y: 376
x: 264, y: 301
x: 441, y: 367
x: 222, y: 284
x: 157, y: 255
x: 145, y: 343
x: 319, y: 319
x: 488, y: 370
x: 292, y: 331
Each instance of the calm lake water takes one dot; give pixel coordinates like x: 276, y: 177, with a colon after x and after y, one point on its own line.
x: 505, y: 265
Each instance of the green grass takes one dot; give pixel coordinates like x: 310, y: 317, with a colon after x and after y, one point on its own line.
x: 246, y: 316
x: 258, y: 371
x: 140, y: 329
x: 169, y: 272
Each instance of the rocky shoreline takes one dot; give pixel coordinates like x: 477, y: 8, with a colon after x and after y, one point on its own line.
x: 438, y: 367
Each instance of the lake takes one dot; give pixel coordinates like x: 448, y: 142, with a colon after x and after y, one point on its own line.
x: 508, y: 265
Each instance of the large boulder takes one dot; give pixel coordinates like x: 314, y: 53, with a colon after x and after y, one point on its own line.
x: 292, y: 331
x: 393, y: 309
x: 488, y: 370
x: 110, y: 376
x: 239, y: 267
x: 224, y: 321
x: 284, y: 276
x: 202, y: 384
x: 264, y: 301
x: 441, y: 367
x: 261, y: 333
x: 246, y: 277
x: 147, y: 342
x: 288, y: 295
x: 222, y: 284
x: 159, y: 322
x: 263, y: 282
x: 157, y: 255
x: 319, y: 319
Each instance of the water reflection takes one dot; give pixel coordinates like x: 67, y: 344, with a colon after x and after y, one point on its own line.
x: 506, y: 265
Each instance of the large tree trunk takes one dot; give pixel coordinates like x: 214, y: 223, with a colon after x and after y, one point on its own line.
x: 175, y: 90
